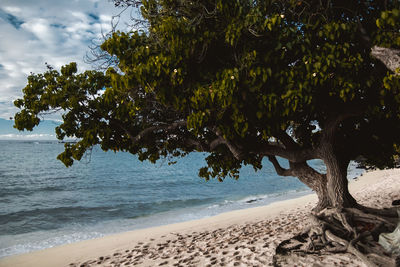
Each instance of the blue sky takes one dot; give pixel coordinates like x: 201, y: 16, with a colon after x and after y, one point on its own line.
x: 54, y: 31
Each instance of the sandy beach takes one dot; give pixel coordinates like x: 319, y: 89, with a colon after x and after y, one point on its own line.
x: 238, y: 238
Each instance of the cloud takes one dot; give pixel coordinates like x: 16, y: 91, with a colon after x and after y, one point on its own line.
x: 12, y: 9
x: 13, y: 20
x: 42, y: 30
x: 56, y: 32
x: 27, y: 137
x: 94, y: 16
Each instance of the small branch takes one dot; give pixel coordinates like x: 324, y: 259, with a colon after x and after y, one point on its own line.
x: 293, y: 155
x: 148, y: 130
x: 235, y: 150
x: 279, y: 170
x: 287, y: 140
x: 151, y: 129
x: 120, y: 125
x: 216, y: 142
x: 199, y: 146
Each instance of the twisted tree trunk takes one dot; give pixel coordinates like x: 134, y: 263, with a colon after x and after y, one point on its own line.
x: 336, y: 176
x: 314, y: 180
x: 308, y: 176
x: 338, y: 223
x: 332, y: 187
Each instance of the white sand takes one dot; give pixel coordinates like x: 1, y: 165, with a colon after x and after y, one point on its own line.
x: 238, y: 238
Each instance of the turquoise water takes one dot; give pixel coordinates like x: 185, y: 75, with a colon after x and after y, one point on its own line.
x: 43, y: 204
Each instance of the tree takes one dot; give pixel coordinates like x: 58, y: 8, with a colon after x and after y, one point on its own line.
x: 242, y: 80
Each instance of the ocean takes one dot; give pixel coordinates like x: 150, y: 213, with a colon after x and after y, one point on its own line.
x: 44, y: 204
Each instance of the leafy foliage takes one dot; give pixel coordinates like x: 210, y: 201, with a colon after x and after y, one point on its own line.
x: 225, y: 76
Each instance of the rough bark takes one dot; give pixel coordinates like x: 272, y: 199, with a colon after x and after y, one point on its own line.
x: 388, y: 56
x: 308, y: 176
x: 336, y: 163
x: 336, y: 176
x: 340, y: 231
x: 314, y: 180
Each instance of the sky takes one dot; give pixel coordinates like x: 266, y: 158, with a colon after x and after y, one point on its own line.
x: 33, y: 32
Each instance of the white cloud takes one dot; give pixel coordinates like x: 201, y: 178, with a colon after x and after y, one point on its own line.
x: 105, y: 18
x: 12, y: 9
x: 56, y: 32
x: 41, y: 29
x: 27, y: 137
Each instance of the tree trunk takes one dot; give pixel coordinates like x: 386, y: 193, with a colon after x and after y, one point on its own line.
x: 314, y: 180
x: 336, y: 176
x: 322, y: 193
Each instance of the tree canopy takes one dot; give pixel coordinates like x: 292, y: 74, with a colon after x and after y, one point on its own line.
x: 238, y: 79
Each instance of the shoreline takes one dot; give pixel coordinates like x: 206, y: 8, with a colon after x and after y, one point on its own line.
x: 234, y: 238
x: 55, y: 238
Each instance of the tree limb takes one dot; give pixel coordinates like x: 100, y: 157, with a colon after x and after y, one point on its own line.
x: 331, y: 126
x: 192, y: 142
x: 120, y: 125
x: 148, y: 130
x: 287, y: 140
x: 279, y: 170
x: 151, y: 129
x: 235, y: 150
x: 295, y: 155
x: 216, y: 142
x: 390, y: 57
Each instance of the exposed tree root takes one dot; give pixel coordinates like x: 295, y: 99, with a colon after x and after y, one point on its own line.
x: 353, y: 230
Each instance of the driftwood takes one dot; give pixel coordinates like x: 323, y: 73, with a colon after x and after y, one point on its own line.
x: 352, y: 230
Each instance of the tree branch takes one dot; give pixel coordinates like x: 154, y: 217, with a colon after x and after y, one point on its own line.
x: 287, y: 140
x: 293, y: 155
x: 331, y: 126
x: 192, y: 142
x: 148, y: 130
x: 388, y: 56
x: 216, y: 142
x: 120, y: 125
x: 151, y: 129
x: 279, y: 170
x: 235, y: 150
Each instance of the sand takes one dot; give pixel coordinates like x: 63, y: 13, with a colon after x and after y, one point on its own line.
x: 238, y: 238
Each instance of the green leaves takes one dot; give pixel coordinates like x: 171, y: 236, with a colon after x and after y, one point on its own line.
x: 388, y: 18
x: 69, y: 70
x: 243, y: 69
x: 388, y: 24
